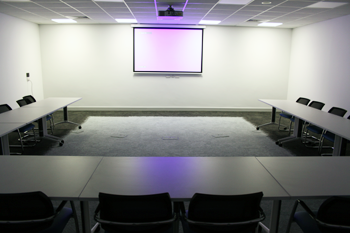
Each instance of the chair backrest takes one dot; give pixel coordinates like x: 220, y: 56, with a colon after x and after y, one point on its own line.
x: 337, y: 111
x: 5, y: 108
x: 16, y: 209
x: 316, y: 104
x: 302, y: 100
x: 121, y: 210
x: 29, y: 99
x: 334, y: 211
x: 21, y: 102
x: 224, y: 209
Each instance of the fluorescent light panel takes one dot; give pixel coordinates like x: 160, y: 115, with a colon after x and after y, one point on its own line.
x: 126, y: 20
x: 235, y: 2
x: 64, y: 20
x: 270, y: 24
x: 108, y: 0
x: 209, y: 22
x: 327, y: 4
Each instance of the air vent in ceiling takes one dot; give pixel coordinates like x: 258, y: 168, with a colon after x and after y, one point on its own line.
x: 254, y: 20
x: 78, y: 17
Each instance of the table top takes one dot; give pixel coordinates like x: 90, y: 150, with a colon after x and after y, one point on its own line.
x: 310, y: 177
x: 21, y: 115
x: 53, y: 103
x: 59, y: 177
x: 335, y: 124
x: 182, y: 177
x: 35, y: 111
x: 6, y: 128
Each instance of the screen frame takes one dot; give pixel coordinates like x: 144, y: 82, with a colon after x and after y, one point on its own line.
x: 169, y: 72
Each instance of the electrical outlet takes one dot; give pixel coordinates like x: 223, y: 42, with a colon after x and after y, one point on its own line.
x: 28, y: 77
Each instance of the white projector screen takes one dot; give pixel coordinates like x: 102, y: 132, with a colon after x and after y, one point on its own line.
x: 174, y: 50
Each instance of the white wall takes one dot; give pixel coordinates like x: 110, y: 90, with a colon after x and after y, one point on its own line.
x: 19, y: 54
x: 320, y: 63
x: 94, y: 62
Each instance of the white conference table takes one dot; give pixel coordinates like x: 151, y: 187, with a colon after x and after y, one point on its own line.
x: 310, y: 177
x: 340, y: 126
x: 27, y: 114
x: 59, y: 177
x: 53, y: 104
x: 5, y: 129
x: 81, y: 178
x: 181, y: 177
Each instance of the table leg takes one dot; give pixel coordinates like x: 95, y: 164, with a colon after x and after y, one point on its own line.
x: 298, y: 124
x: 65, y: 118
x: 5, y: 145
x: 273, y: 119
x: 339, y: 146
x: 85, y: 216
x: 178, y: 207
x: 43, y: 131
x: 275, y: 216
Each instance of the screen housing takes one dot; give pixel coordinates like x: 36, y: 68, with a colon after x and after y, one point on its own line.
x: 157, y: 55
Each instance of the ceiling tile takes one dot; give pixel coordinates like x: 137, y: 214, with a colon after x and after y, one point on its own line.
x: 294, y: 13
x: 110, y: 4
x: 227, y: 7
x: 256, y: 8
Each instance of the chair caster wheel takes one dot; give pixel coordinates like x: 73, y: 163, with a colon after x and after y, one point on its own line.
x: 61, y: 143
x: 257, y: 128
x: 79, y: 127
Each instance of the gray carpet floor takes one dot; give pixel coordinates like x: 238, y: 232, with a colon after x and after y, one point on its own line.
x: 168, y: 136
x: 250, y: 119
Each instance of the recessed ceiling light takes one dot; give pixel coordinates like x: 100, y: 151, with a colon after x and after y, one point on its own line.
x: 64, y: 20
x: 126, y: 20
x: 209, y: 22
x: 235, y: 2
x: 266, y: 3
x: 327, y: 4
x: 269, y: 24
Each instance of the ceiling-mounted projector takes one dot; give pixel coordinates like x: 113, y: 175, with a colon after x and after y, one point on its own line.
x: 171, y: 14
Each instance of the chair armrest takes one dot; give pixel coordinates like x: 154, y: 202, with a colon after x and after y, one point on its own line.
x: 257, y: 220
x: 173, y: 219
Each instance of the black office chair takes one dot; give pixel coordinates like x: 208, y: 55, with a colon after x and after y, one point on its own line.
x: 32, y: 212
x: 313, y: 104
x: 142, y: 214
x: 29, y: 99
x: 300, y: 100
x: 223, y: 213
x: 333, y: 216
x: 23, y: 102
x: 24, y: 129
x: 318, y: 130
x: 328, y: 136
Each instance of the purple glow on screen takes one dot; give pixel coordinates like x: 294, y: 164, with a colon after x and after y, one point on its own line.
x: 168, y: 50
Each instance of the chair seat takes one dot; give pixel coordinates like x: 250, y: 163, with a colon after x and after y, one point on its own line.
x: 306, y: 223
x: 27, y: 128
x: 329, y: 136
x: 315, y: 129
x: 286, y: 115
